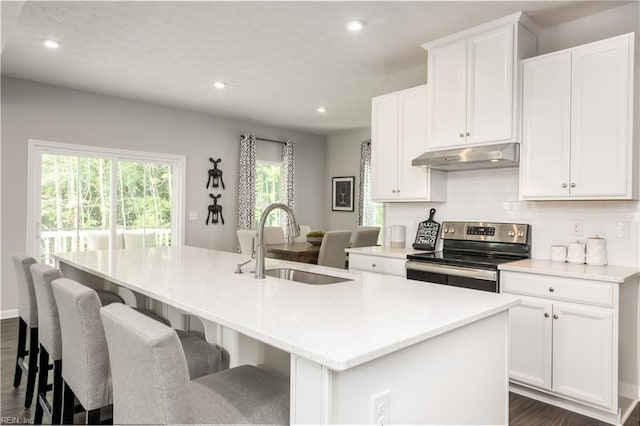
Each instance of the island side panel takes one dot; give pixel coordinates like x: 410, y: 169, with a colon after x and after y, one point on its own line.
x: 311, y: 388
x: 460, y: 377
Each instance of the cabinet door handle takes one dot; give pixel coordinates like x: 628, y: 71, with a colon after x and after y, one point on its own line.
x: 462, y: 135
x: 555, y: 316
x: 551, y: 289
x: 398, y: 191
x: 547, y: 315
x: 573, y: 185
x: 564, y: 185
x: 373, y: 265
x: 393, y: 191
x: 468, y: 134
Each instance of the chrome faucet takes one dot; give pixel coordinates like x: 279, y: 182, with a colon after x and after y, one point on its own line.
x: 294, y: 231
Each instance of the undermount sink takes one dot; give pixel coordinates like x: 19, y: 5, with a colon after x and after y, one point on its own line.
x: 304, y: 277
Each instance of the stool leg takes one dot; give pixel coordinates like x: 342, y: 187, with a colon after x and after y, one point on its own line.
x: 56, y: 407
x: 68, y: 405
x: 21, y: 352
x: 32, y: 370
x: 43, y: 374
x: 93, y: 417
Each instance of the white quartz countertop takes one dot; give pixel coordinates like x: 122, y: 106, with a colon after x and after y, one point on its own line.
x: 608, y: 273
x: 383, y: 251
x: 338, y: 325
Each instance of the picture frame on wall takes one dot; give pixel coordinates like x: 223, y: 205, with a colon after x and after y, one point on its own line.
x: 342, y: 193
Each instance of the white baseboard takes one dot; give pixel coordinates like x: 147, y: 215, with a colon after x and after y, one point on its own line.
x: 9, y: 313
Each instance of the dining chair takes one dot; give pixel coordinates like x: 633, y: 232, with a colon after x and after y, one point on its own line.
x: 100, y: 241
x: 302, y: 238
x: 332, y: 249
x: 247, y: 239
x: 136, y: 239
x: 163, y: 393
x: 365, y: 236
x: 27, y: 321
x: 274, y: 235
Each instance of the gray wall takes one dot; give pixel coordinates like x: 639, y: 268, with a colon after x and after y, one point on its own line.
x: 38, y: 111
x: 343, y: 159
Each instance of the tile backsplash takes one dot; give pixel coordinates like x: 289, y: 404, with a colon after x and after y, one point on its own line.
x: 492, y: 195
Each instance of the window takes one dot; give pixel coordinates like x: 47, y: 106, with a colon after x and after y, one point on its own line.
x: 85, y: 198
x: 268, y: 186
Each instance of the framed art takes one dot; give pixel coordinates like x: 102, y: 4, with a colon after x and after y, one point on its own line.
x: 342, y: 194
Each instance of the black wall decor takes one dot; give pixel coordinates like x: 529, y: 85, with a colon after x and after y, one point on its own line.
x: 215, y: 210
x: 215, y: 175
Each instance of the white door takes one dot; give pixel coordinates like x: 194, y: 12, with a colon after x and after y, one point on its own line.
x: 582, y: 353
x: 384, y: 147
x: 600, y: 139
x: 530, y: 337
x: 546, y: 115
x: 412, y: 132
x: 490, y: 87
x: 447, y: 86
x: 91, y: 198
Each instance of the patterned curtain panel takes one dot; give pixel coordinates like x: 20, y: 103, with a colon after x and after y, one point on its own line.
x: 286, y: 179
x: 365, y: 210
x: 247, y: 182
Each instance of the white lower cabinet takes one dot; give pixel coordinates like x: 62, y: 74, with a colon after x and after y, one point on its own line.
x: 573, y: 342
x: 379, y: 264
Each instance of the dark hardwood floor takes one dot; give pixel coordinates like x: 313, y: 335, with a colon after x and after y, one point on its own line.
x: 522, y: 411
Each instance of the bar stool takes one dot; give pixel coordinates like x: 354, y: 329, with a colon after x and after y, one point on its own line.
x: 50, y: 343
x: 85, y: 370
x: 27, y: 319
x: 162, y: 392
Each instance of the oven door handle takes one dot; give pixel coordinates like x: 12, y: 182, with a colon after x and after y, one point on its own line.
x: 479, y: 274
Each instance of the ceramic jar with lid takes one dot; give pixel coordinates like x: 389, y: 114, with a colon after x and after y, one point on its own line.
x: 596, y: 251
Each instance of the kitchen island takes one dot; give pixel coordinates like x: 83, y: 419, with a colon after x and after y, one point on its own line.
x: 373, y: 349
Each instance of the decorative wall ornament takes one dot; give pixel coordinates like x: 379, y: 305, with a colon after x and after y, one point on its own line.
x: 215, y: 210
x: 215, y: 175
x: 342, y: 194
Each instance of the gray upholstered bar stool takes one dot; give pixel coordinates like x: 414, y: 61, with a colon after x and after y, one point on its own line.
x: 27, y: 320
x: 162, y: 392
x: 50, y: 343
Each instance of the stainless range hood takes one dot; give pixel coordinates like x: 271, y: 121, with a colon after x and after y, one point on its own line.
x: 472, y: 158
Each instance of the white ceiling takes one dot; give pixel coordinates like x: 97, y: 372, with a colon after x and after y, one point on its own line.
x: 281, y: 60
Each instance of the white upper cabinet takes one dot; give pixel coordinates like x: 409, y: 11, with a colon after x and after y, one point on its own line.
x: 398, y: 135
x: 473, y: 83
x: 577, y: 135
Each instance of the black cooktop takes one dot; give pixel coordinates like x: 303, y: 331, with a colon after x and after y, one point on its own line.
x: 462, y: 259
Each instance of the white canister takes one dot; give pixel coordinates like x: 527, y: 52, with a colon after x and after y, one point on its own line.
x: 576, y: 253
x: 596, y: 251
x: 558, y: 253
x: 396, y: 236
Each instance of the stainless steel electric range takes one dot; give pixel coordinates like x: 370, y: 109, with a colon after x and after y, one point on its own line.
x: 471, y: 253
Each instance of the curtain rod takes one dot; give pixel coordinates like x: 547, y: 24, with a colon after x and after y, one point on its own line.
x: 270, y: 140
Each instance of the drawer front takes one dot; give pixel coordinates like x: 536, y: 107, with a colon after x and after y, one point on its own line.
x: 558, y: 288
x: 381, y: 265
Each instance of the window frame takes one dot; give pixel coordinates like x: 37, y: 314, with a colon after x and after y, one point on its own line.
x: 36, y: 148
x: 272, y: 163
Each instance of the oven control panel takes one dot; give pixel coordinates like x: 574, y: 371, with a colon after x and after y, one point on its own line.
x: 486, y: 231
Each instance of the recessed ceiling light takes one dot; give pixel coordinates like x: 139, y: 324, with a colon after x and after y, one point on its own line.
x: 51, y: 44
x: 355, y: 26
x: 321, y: 110
x: 219, y: 84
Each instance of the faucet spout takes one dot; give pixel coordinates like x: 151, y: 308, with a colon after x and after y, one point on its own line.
x: 261, y: 249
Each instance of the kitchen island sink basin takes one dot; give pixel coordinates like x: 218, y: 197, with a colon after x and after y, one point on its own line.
x: 304, y: 277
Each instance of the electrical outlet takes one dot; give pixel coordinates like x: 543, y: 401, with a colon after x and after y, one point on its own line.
x: 576, y: 227
x: 381, y: 404
x: 622, y: 230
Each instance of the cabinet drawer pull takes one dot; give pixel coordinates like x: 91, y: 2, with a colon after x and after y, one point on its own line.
x: 555, y: 316
x: 373, y: 265
x: 462, y: 135
x: 573, y: 185
x: 551, y: 289
x: 564, y: 185
x: 546, y: 315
